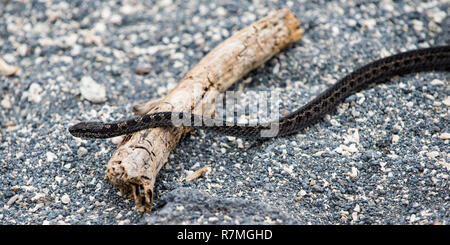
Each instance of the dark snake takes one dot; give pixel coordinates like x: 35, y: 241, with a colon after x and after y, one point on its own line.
x: 419, y: 60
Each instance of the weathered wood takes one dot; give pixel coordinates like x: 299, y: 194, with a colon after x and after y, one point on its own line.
x: 135, y: 164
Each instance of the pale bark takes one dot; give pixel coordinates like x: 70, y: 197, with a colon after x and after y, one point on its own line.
x: 135, y: 164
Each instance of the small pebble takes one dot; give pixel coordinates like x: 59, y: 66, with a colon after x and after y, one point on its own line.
x: 92, y: 90
x: 65, y: 199
x: 51, y: 156
x: 353, y: 173
x: 12, y: 200
x: 395, y: 139
x: 436, y: 14
x: 446, y: 101
x: 6, y: 102
x: 82, y: 151
x: 432, y: 154
x: 143, y: 69
x: 369, y: 23
x: 444, y: 136
x: 7, y: 69
x: 437, y: 82
x: 34, y: 93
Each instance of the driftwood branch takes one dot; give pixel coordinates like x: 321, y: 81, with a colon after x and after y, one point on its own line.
x: 135, y: 164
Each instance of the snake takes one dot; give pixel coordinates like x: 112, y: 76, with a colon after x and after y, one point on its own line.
x: 419, y: 60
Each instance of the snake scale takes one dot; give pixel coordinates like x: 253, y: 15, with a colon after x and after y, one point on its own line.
x: 419, y: 60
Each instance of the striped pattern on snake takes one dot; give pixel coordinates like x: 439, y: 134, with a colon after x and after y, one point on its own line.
x: 420, y: 60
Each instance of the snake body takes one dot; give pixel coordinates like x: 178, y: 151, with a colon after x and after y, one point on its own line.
x: 419, y: 60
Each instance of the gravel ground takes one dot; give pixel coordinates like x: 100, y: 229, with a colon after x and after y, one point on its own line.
x: 381, y: 158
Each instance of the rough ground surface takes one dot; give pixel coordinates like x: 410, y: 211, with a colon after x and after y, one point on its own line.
x: 381, y: 158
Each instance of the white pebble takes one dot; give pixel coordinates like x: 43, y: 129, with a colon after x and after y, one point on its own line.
x: 436, y: 14
x: 346, y: 150
x: 38, y: 196
x: 124, y: 222
x: 127, y: 10
x: 437, y: 82
x: 240, y: 143
x: 444, y: 136
x: 34, y: 93
x: 395, y: 139
x: 12, y: 200
x: 81, y: 151
x: 116, y: 19
x: 446, y: 101
x: 92, y: 90
x: 6, y: 102
x: 352, y: 148
x: 352, y: 136
x: 117, y: 140
x: 369, y: 23
x: 58, y: 179
x: 319, y: 153
x: 100, y: 27
x: 302, y: 193
x: 41, y: 28
x: 7, y: 69
x: 51, y: 156
x: 213, y: 219
x: 334, y: 122
x: 437, y: 104
x: 354, y: 172
x: 70, y: 40
x: 352, y: 22
x: 76, y: 50
x: 432, y: 154
x: 22, y: 49
x: 387, y: 5
x: 165, y: 3
x: 276, y: 68
x: 65, y: 199
x: 220, y: 11
x: 417, y: 25
x: 335, y: 31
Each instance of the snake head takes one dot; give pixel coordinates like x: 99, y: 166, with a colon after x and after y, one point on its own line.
x: 88, y: 130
